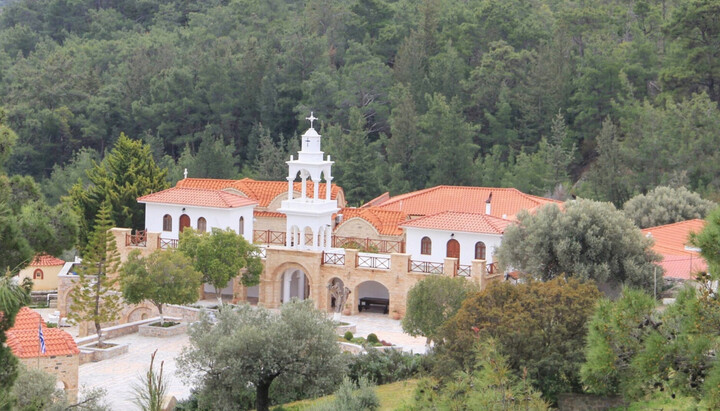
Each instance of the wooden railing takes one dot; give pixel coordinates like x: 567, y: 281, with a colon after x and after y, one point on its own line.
x: 166, y: 243
x: 370, y: 245
x: 139, y: 239
x: 463, y: 270
x: 426, y: 267
x: 492, y: 268
x: 333, y: 258
x: 269, y: 237
x: 370, y: 261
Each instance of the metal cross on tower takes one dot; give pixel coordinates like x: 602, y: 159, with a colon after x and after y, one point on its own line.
x: 311, y: 118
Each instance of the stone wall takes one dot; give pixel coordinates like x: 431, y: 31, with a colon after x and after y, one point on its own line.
x: 63, y: 367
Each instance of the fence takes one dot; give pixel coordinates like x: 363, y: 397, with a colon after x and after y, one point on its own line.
x: 464, y: 270
x: 370, y: 261
x: 369, y: 245
x: 139, y: 239
x: 269, y: 237
x: 166, y: 243
x: 334, y: 258
x: 426, y: 267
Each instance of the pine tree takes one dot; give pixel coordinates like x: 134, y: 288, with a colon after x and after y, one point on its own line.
x: 94, y: 297
x: 269, y: 163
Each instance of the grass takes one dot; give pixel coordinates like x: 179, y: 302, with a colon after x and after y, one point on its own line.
x: 392, y: 396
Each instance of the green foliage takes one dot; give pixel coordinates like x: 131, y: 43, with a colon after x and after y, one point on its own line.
x: 220, y: 255
x: 62, y: 178
x: 12, y: 298
x: 372, y: 338
x: 94, y: 298
x: 7, y: 140
x: 35, y: 390
x: 708, y: 240
x: 384, y: 366
x: 537, y: 325
x: 666, y: 205
x: 431, y: 302
x: 163, y: 277
x: 588, y: 240
x: 294, y: 352
x: 348, y: 335
x: 125, y: 174
x: 151, y: 389
x: 352, y: 396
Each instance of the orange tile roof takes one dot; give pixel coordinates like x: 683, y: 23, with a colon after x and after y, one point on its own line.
x: 197, y: 197
x: 671, y: 241
x: 25, y: 343
x: 505, y: 203
x: 261, y: 213
x: 377, y: 200
x: 385, y: 221
x: 45, y: 260
x: 262, y: 191
x: 27, y: 319
x: 459, y: 221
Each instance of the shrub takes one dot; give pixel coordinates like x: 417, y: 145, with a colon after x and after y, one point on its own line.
x: 384, y: 367
x: 348, y: 335
x: 352, y: 396
x: 372, y: 338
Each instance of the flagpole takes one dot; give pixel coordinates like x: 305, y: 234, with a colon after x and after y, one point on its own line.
x: 39, y: 343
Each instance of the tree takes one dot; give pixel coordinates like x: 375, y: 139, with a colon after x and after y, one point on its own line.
x: 607, y: 175
x: 540, y: 326
x: 708, y: 240
x: 295, y: 347
x: 7, y: 140
x: 94, y: 296
x: 588, y: 239
x: 12, y: 298
x: 431, y: 302
x: 666, y: 205
x: 220, y: 255
x: 36, y: 390
x: 163, y: 277
x: 64, y: 177
x: 126, y: 173
x: 150, y: 392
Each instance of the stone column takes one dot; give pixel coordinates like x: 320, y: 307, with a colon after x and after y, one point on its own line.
x: 350, y: 257
x: 399, y: 263
x: 316, y: 188
x: 328, y: 186
x: 449, y: 266
x: 301, y: 285
x: 478, y: 272
x: 290, y: 187
x: 287, y: 278
x: 304, y: 188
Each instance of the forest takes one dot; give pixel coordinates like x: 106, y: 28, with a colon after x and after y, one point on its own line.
x: 603, y: 99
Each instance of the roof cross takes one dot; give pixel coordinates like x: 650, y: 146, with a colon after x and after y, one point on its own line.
x: 311, y: 119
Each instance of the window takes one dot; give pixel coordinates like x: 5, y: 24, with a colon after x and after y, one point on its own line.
x: 38, y: 274
x: 479, y: 250
x: 425, y: 246
x: 241, y: 228
x: 202, y: 225
x: 167, y: 222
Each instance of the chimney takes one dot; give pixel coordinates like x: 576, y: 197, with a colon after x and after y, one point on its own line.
x: 488, y: 205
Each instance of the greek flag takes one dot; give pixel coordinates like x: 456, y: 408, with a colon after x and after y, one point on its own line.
x: 42, y: 338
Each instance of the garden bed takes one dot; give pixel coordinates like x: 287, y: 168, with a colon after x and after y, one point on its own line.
x: 341, y: 328
x: 357, y: 345
x: 91, y: 352
x: 169, y: 329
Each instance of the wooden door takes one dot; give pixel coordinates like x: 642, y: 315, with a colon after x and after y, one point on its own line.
x: 184, y: 222
x: 453, y: 249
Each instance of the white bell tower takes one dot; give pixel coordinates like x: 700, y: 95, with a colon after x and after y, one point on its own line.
x: 309, y: 219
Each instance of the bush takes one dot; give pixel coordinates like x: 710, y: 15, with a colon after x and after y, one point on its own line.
x: 384, y: 367
x: 372, y: 338
x: 348, y: 335
x: 352, y: 396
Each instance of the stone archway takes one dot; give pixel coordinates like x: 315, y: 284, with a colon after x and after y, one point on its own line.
x: 372, y: 296
x: 295, y: 284
x: 139, y: 313
x: 331, y: 303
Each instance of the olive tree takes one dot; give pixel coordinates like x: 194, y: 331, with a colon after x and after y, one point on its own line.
x: 247, y: 353
x: 587, y: 239
x: 708, y: 240
x: 666, y: 205
x: 163, y: 277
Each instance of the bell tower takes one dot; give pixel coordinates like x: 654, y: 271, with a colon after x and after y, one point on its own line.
x: 309, y: 218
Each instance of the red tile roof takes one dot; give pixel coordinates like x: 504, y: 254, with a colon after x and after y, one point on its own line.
x: 459, y: 221
x: 275, y: 214
x: 45, y: 260
x: 27, y: 319
x: 505, y: 203
x: 25, y: 343
x: 197, y: 197
x: 385, y: 221
x: 671, y: 241
x: 262, y: 191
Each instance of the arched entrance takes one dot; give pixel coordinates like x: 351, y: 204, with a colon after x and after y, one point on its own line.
x: 336, y: 286
x: 372, y: 296
x: 184, y: 222
x: 295, y: 284
x: 453, y: 249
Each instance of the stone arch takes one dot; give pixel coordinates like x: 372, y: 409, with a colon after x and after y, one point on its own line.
x: 357, y: 225
x: 137, y: 314
x: 295, y: 284
x: 306, y: 238
x: 370, y: 294
x: 276, y: 282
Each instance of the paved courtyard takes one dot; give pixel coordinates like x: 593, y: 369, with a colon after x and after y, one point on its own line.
x: 118, y: 374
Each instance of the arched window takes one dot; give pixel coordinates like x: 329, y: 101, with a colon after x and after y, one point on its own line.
x: 479, y: 250
x: 241, y: 226
x: 38, y: 274
x: 202, y: 225
x: 167, y: 222
x: 426, y: 246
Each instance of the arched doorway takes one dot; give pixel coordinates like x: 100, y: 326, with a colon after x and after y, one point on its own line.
x: 295, y: 284
x: 453, y: 249
x: 336, y: 285
x: 184, y: 222
x: 372, y: 296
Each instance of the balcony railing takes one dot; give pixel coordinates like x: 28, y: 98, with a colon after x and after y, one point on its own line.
x: 426, y: 267
x: 139, y: 239
x: 269, y: 237
x: 464, y: 270
x: 492, y: 269
x: 369, y: 245
x: 260, y: 252
x: 371, y: 261
x: 334, y: 258
x: 166, y: 243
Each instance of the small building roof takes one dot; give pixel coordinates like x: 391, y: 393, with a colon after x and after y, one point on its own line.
x: 504, y: 203
x: 25, y: 343
x: 262, y: 191
x: 460, y: 221
x: 27, y: 318
x: 672, y: 242
x: 46, y: 260
x: 199, y: 197
x: 386, y: 222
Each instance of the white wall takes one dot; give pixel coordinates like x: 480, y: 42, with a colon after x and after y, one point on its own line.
x: 439, y: 239
x: 216, y: 218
